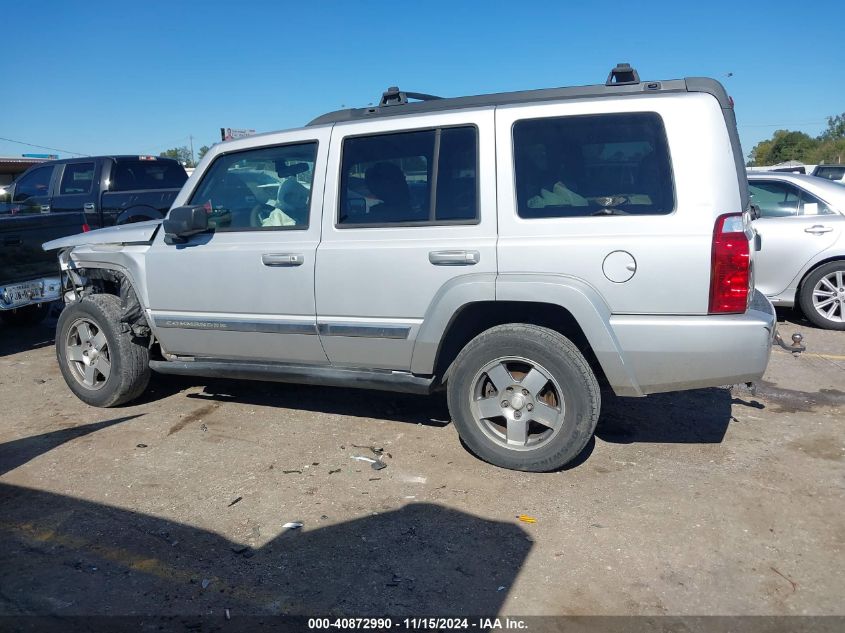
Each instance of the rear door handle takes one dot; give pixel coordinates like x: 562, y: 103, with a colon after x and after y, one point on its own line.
x: 818, y: 229
x: 454, y: 258
x: 88, y: 206
x: 283, y: 259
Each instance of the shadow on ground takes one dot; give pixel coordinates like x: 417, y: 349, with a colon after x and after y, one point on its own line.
x: 15, y: 339
x: 700, y: 416
x: 73, y: 557
x: 383, y: 405
x: 19, y: 452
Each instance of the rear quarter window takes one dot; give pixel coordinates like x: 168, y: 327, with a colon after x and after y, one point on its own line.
x: 591, y: 165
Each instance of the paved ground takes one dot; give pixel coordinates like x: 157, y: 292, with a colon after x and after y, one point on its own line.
x: 707, y: 502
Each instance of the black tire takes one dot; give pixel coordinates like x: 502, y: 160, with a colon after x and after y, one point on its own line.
x: 809, y: 291
x: 128, y: 361
x: 28, y: 315
x: 552, y: 355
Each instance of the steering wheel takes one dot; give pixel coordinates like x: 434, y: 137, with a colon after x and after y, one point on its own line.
x: 259, y: 213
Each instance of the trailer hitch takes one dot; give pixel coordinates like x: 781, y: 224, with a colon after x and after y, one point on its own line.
x: 796, y: 348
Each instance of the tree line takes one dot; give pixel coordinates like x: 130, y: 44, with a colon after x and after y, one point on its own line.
x: 183, y: 155
x: 785, y: 145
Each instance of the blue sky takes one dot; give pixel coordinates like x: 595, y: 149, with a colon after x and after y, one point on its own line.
x: 109, y: 77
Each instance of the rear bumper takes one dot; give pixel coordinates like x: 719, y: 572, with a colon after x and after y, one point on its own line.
x: 43, y: 290
x: 672, y: 353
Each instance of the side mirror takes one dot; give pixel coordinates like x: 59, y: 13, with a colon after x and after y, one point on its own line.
x: 183, y: 222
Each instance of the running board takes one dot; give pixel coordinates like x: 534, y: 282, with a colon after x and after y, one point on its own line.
x: 385, y: 380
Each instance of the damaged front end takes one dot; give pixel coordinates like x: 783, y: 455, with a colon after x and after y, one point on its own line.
x: 79, y: 282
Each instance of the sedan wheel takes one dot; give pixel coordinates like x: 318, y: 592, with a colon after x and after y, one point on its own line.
x: 829, y: 296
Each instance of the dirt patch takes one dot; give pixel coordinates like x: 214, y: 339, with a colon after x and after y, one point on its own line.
x: 821, y: 446
x: 193, y: 416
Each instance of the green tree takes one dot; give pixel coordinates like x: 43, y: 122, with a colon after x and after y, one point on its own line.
x: 202, y: 152
x: 182, y: 154
x: 835, y: 128
x: 784, y: 146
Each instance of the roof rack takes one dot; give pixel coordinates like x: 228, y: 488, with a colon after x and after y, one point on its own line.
x: 623, y: 81
x: 393, y: 97
x: 622, y: 75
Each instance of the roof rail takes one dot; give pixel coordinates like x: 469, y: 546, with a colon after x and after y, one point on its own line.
x: 393, y: 96
x: 622, y: 75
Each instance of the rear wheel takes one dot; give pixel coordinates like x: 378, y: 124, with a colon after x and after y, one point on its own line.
x: 28, y: 315
x: 822, y: 296
x: 523, y: 397
x: 101, y: 364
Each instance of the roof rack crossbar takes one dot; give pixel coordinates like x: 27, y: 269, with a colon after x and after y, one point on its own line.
x: 622, y: 75
x: 393, y: 96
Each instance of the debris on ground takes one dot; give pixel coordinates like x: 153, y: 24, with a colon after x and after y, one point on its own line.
x: 332, y: 472
x: 205, y: 583
x: 292, y: 525
x: 228, y: 615
x: 526, y: 519
x: 235, y: 501
x: 501, y: 588
x: 378, y: 465
x: 291, y: 472
x: 376, y: 450
x: 203, y: 427
x: 140, y: 446
x: 361, y: 458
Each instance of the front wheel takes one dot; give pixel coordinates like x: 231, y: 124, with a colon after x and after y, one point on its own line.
x: 822, y: 296
x: 523, y: 397
x: 101, y: 364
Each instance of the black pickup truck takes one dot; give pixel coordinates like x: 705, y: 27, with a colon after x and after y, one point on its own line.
x: 29, y: 276
x: 107, y: 189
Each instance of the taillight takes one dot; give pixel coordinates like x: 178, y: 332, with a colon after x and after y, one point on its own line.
x: 85, y: 228
x: 730, y: 274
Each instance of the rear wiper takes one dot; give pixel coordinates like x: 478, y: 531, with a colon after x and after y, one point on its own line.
x: 609, y: 211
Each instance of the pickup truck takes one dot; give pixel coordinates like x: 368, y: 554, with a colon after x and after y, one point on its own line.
x: 107, y: 189
x: 29, y: 277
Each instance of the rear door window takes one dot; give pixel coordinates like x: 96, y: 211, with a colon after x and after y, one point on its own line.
x: 775, y: 199
x: 605, y: 164
x: 77, y: 178
x: 136, y: 174
x: 422, y: 177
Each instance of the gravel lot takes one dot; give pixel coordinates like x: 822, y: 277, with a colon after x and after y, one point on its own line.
x: 705, y: 502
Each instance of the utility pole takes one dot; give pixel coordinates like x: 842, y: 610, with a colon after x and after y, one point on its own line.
x: 193, y: 162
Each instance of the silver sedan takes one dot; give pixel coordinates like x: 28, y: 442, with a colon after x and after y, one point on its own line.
x: 802, y: 255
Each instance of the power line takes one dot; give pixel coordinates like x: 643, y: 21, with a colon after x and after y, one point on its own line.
x: 53, y: 149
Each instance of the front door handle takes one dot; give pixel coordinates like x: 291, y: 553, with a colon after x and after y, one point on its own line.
x: 818, y: 229
x: 282, y: 259
x: 45, y: 208
x: 454, y: 258
x: 88, y: 206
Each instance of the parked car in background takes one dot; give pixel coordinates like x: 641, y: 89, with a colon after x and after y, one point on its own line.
x: 107, y: 189
x: 29, y: 277
x: 517, y: 249
x: 835, y: 173
x: 802, y: 244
